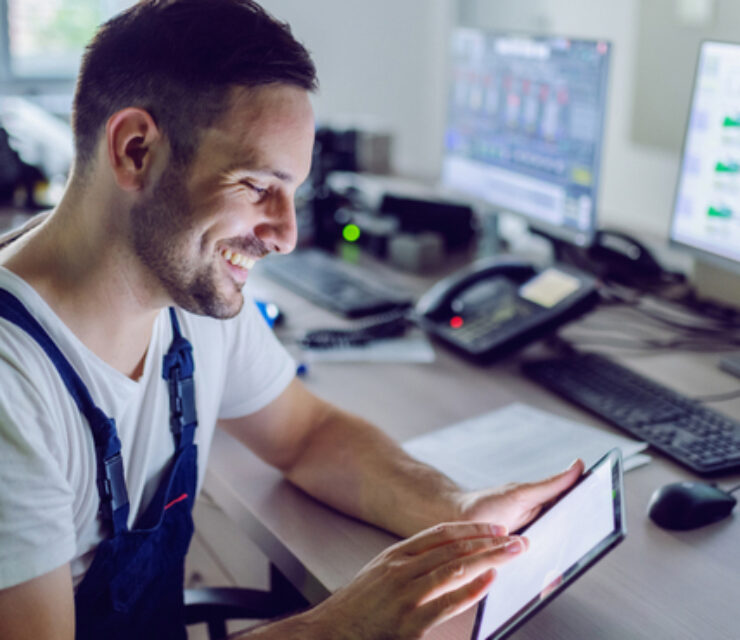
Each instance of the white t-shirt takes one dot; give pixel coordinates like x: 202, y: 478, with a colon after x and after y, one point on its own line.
x: 48, y: 494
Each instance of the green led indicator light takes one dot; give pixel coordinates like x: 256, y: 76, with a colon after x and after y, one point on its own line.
x: 351, y: 233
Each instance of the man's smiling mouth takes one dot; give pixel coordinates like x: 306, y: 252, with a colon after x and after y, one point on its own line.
x: 238, y: 259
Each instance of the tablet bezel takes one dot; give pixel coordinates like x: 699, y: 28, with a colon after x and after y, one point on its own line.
x: 614, y: 459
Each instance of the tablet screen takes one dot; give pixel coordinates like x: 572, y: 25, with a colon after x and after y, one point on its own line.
x: 564, y: 541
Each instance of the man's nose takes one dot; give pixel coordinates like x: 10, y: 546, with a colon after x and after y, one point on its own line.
x: 279, y: 230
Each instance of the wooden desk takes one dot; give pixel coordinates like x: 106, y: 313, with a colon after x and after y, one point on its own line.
x: 656, y: 584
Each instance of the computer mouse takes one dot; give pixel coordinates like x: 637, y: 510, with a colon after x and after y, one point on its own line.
x: 689, y: 505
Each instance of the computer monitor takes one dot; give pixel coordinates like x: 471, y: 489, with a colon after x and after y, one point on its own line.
x: 706, y: 210
x: 525, y: 127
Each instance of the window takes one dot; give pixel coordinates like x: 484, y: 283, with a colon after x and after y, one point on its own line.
x: 47, y: 37
x: 41, y: 43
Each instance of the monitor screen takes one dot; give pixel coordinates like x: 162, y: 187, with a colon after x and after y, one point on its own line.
x: 525, y: 127
x: 706, y: 210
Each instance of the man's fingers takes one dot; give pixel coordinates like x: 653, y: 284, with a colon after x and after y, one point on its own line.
x: 455, y: 552
x: 545, y: 490
x: 459, y: 571
x: 447, y: 533
x: 452, y: 603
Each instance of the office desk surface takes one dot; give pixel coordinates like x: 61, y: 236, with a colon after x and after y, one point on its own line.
x: 656, y: 584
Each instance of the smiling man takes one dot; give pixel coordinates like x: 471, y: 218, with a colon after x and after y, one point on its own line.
x: 127, y: 336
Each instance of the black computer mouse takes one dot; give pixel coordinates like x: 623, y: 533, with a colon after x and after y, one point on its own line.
x: 688, y: 505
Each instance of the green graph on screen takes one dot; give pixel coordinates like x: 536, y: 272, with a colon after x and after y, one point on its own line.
x: 727, y: 167
x: 719, y: 212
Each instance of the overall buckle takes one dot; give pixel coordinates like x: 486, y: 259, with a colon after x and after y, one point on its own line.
x: 182, y: 401
x: 113, y: 494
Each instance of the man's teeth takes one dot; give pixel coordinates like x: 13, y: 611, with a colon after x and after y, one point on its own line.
x: 238, y: 259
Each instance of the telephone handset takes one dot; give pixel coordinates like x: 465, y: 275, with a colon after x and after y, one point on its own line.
x: 445, y: 292
x: 622, y: 257
x: 500, y: 304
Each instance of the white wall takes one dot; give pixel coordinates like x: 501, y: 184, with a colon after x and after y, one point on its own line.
x: 380, y: 61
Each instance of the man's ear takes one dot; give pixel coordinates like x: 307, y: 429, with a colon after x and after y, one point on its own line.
x: 133, y: 139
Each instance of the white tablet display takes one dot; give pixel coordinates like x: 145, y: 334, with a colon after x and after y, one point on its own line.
x: 564, y: 541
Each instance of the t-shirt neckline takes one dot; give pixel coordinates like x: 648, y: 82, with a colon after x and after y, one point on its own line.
x: 48, y: 318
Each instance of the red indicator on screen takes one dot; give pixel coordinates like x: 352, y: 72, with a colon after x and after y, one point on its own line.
x: 456, y: 322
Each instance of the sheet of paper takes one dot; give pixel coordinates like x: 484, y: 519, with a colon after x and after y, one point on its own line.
x: 516, y: 443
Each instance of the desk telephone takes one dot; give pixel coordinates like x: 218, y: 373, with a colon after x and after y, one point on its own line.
x: 484, y: 311
x: 500, y: 304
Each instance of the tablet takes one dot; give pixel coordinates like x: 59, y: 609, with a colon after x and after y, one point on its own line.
x: 564, y: 541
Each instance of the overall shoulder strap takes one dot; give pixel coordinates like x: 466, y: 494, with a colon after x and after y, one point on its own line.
x: 177, y: 368
x: 111, y: 483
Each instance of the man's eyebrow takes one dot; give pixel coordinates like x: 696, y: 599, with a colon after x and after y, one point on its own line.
x: 248, y: 167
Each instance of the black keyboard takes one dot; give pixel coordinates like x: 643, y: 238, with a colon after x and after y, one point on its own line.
x: 703, y: 440
x: 332, y: 284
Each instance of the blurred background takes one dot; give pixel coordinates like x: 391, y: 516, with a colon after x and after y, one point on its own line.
x: 383, y: 66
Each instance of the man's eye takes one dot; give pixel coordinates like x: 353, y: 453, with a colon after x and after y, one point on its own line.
x: 260, y: 191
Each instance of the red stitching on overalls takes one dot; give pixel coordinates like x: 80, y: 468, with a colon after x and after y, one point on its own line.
x: 175, y: 501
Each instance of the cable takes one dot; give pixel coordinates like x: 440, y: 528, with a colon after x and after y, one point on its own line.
x: 685, y: 298
x: 682, y: 326
x: 719, y: 397
x: 720, y: 318
x: 615, y: 344
x: 634, y: 333
x: 713, y: 326
x: 719, y: 312
x: 389, y: 325
x: 655, y: 344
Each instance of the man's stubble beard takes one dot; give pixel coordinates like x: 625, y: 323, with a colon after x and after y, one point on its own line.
x: 161, y: 236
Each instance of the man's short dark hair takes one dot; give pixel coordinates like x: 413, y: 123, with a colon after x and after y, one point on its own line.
x: 179, y: 59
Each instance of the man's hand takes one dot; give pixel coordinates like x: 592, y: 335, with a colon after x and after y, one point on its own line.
x: 514, y: 505
x: 418, y: 583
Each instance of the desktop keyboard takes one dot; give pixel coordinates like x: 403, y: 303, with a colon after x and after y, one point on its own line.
x: 703, y: 440
x: 330, y: 283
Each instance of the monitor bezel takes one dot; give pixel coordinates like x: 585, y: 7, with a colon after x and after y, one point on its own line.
x: 578, y: 238
x: 703, y: 255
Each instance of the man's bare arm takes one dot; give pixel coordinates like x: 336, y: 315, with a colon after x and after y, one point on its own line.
x: 347, y: 463
x: 40, y: 609
x: 353, y: 466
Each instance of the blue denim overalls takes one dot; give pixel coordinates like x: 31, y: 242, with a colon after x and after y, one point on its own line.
x: 134, y: 587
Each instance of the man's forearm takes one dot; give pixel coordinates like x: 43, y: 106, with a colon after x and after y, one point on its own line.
x: 302, y: 626
x: 356, y: 468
